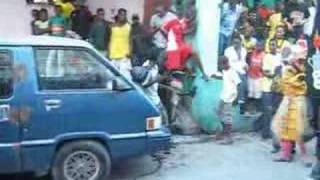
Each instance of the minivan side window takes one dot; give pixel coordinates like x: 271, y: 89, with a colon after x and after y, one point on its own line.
x: 6, y: 75
x: 65, y: 69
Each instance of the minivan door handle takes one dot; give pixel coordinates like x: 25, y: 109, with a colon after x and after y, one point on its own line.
x: 52, y: 104
x: 4, y: 113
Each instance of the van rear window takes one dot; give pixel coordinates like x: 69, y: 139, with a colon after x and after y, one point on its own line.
x: 6, y: 75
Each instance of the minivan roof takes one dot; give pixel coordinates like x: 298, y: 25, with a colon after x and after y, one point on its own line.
x: 44, y: 41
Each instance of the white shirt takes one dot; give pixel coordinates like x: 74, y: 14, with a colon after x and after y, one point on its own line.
x: 157, y: 22
x: 231, y: 80
x: 308, y: 26
x: 152, y: 90
x: 239, y: 65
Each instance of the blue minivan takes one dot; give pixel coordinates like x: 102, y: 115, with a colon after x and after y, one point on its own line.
x: 65, y: 110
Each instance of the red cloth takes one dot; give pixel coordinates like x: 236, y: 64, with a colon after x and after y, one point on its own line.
x: 178, y: 51
x: 255, y: 65
x: 264, y: 12
x: 178, y: 28
x: 176, y: 60
x: 316, y: 41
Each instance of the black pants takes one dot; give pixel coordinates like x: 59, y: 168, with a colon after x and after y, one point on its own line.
x: 315, y: 102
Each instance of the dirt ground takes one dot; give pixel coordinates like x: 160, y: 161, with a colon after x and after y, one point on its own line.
x: 201, y: 158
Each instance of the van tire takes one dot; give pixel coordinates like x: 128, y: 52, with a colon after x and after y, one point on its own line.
x: 96, y: 157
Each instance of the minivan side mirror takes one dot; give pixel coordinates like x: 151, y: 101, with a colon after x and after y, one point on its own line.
x: 119, y: 84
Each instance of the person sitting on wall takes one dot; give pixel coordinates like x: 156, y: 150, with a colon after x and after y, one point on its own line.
x: 57, y: 23
x: 42, y: 25
x: 67, y: 8
x: 35, y: 18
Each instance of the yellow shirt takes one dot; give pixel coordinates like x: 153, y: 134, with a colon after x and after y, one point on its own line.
x: 67, y: 8
x: 119, y: 46
x: 281, y: 44
x: 249, y: 44
x: 274, y: 21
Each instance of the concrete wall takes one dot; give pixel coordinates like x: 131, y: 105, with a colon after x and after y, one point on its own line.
x: 111, y: 6
x: 16, y: 17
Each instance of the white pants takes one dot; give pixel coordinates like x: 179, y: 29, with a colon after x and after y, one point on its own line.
x: 255, y: 88
x: 124, y: 66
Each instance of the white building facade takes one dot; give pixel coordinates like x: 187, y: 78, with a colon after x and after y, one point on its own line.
x: 16, y: 14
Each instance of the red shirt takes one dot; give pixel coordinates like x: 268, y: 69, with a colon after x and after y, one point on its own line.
x: 255, y: 65
x: 264, y: 12
x: 177, y: 27
x: 178, y: 51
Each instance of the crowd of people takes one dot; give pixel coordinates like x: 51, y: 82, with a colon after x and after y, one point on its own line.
x: 268, y: 59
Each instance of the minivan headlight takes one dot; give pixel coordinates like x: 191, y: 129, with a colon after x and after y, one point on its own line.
x: 153, y: 123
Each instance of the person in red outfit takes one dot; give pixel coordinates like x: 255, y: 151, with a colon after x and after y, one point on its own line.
x: 255, y: 75
x: 178, y: 50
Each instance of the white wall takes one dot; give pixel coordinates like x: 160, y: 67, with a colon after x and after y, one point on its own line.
x: 208, y: 34
x: 15, y: 18
x: 111, y: 6
x: 16, y: 14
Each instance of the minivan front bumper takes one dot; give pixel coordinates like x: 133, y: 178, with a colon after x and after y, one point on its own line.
x: 159, y: 140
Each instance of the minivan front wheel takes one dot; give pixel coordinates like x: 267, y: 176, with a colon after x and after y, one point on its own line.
x: 84, y: 160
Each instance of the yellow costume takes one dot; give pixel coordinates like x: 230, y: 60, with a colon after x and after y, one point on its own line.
x: 289, y: 123
x: 274, y: 21
x: 67, y: 8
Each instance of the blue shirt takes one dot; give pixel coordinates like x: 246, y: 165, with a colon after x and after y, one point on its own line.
x: 229, y: 18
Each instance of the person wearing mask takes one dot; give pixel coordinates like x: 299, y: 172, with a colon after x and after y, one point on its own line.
x: 120, y: 44
x: 237, y: 55
x: 81, y: 21
x: 57, y: 23
x: 98, y: 32
x: 42, y: 25
x: 290, y: 122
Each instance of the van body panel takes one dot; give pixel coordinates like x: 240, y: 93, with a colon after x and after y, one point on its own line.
x: 117, y: 119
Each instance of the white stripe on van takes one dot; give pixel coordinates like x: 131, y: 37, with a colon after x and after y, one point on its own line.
x: 52, y: 141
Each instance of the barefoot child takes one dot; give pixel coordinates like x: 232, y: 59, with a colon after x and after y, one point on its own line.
x: 228, y: 95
